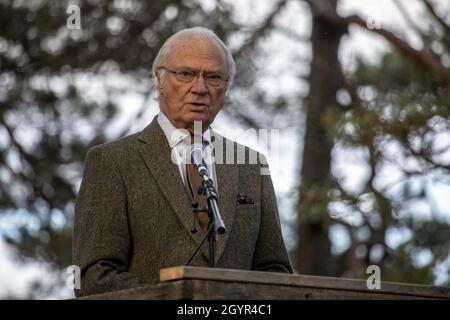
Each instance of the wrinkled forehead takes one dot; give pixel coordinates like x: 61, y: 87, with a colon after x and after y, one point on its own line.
x: 195, y: 51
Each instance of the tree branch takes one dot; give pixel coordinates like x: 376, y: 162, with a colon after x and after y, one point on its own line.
x: 357, y: 102
x: 433, y: 12
x: 407, y: 17
x: 421, y: 57
x: 291, y: 34
x: 261, y: 31
x: 38, y: 187
x: 237, y: 113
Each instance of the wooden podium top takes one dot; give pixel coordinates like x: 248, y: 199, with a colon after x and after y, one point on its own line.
x: 213, y: 283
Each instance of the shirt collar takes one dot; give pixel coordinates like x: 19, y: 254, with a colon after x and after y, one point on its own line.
x: 173, y: 135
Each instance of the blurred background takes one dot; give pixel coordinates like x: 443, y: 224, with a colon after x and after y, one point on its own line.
x: 359, y: 91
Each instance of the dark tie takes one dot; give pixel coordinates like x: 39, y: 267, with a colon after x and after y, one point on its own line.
x: 194, y: 182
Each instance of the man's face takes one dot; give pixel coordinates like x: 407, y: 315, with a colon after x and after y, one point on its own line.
x: 184, y: 103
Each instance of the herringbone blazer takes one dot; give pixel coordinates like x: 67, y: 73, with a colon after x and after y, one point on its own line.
x: 133, y: 215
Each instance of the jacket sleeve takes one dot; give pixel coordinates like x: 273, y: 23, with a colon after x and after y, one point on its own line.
x: 270, y: 252
x: 101, y: 238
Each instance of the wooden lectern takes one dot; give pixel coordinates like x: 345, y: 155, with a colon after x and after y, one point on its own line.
x: 211, y: 283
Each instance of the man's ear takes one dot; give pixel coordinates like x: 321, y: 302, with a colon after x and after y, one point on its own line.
x: 158, y: 80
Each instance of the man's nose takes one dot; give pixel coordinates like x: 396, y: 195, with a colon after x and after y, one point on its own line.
x: 199, y: 85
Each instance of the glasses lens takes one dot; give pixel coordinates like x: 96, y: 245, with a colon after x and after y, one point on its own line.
x: 215, y: 80
x: 186, y: 76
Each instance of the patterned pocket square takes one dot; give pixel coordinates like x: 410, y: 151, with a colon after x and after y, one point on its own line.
x: 244, y: 199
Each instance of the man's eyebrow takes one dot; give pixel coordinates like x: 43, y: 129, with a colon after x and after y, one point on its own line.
x: 215, y: 71
x: 197, y: 70
x: 187, y: 68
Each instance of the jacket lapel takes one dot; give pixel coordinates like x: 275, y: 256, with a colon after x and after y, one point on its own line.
x: 156, y: 154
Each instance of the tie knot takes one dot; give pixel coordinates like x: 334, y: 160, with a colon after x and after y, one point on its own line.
x: 197, y: 141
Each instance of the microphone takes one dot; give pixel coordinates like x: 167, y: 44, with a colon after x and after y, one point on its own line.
x: 197, y: 159
x: 210, y: 192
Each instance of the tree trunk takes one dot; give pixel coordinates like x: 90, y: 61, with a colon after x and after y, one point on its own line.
x: 313, y: 252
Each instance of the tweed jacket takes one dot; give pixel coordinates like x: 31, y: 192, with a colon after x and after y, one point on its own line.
x: 133, y: 215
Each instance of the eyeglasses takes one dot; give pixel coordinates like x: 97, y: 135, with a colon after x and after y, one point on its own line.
x: 188, y: 76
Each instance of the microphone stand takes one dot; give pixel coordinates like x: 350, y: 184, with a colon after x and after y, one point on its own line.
x: 216, y: 224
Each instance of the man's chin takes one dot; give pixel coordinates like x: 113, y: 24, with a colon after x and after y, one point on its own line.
x: 199, y: 116
x: 205, y: 120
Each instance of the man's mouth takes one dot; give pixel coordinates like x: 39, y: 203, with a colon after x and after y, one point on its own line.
x: 198, y: 106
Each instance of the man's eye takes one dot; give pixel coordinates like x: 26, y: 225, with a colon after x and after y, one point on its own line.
x: 215, y: 77
x: 186, y: 74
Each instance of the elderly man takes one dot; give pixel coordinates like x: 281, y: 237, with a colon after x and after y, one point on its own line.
x: 134, y: 211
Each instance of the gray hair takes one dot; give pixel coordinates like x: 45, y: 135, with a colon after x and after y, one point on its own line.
x: 201, y: 31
